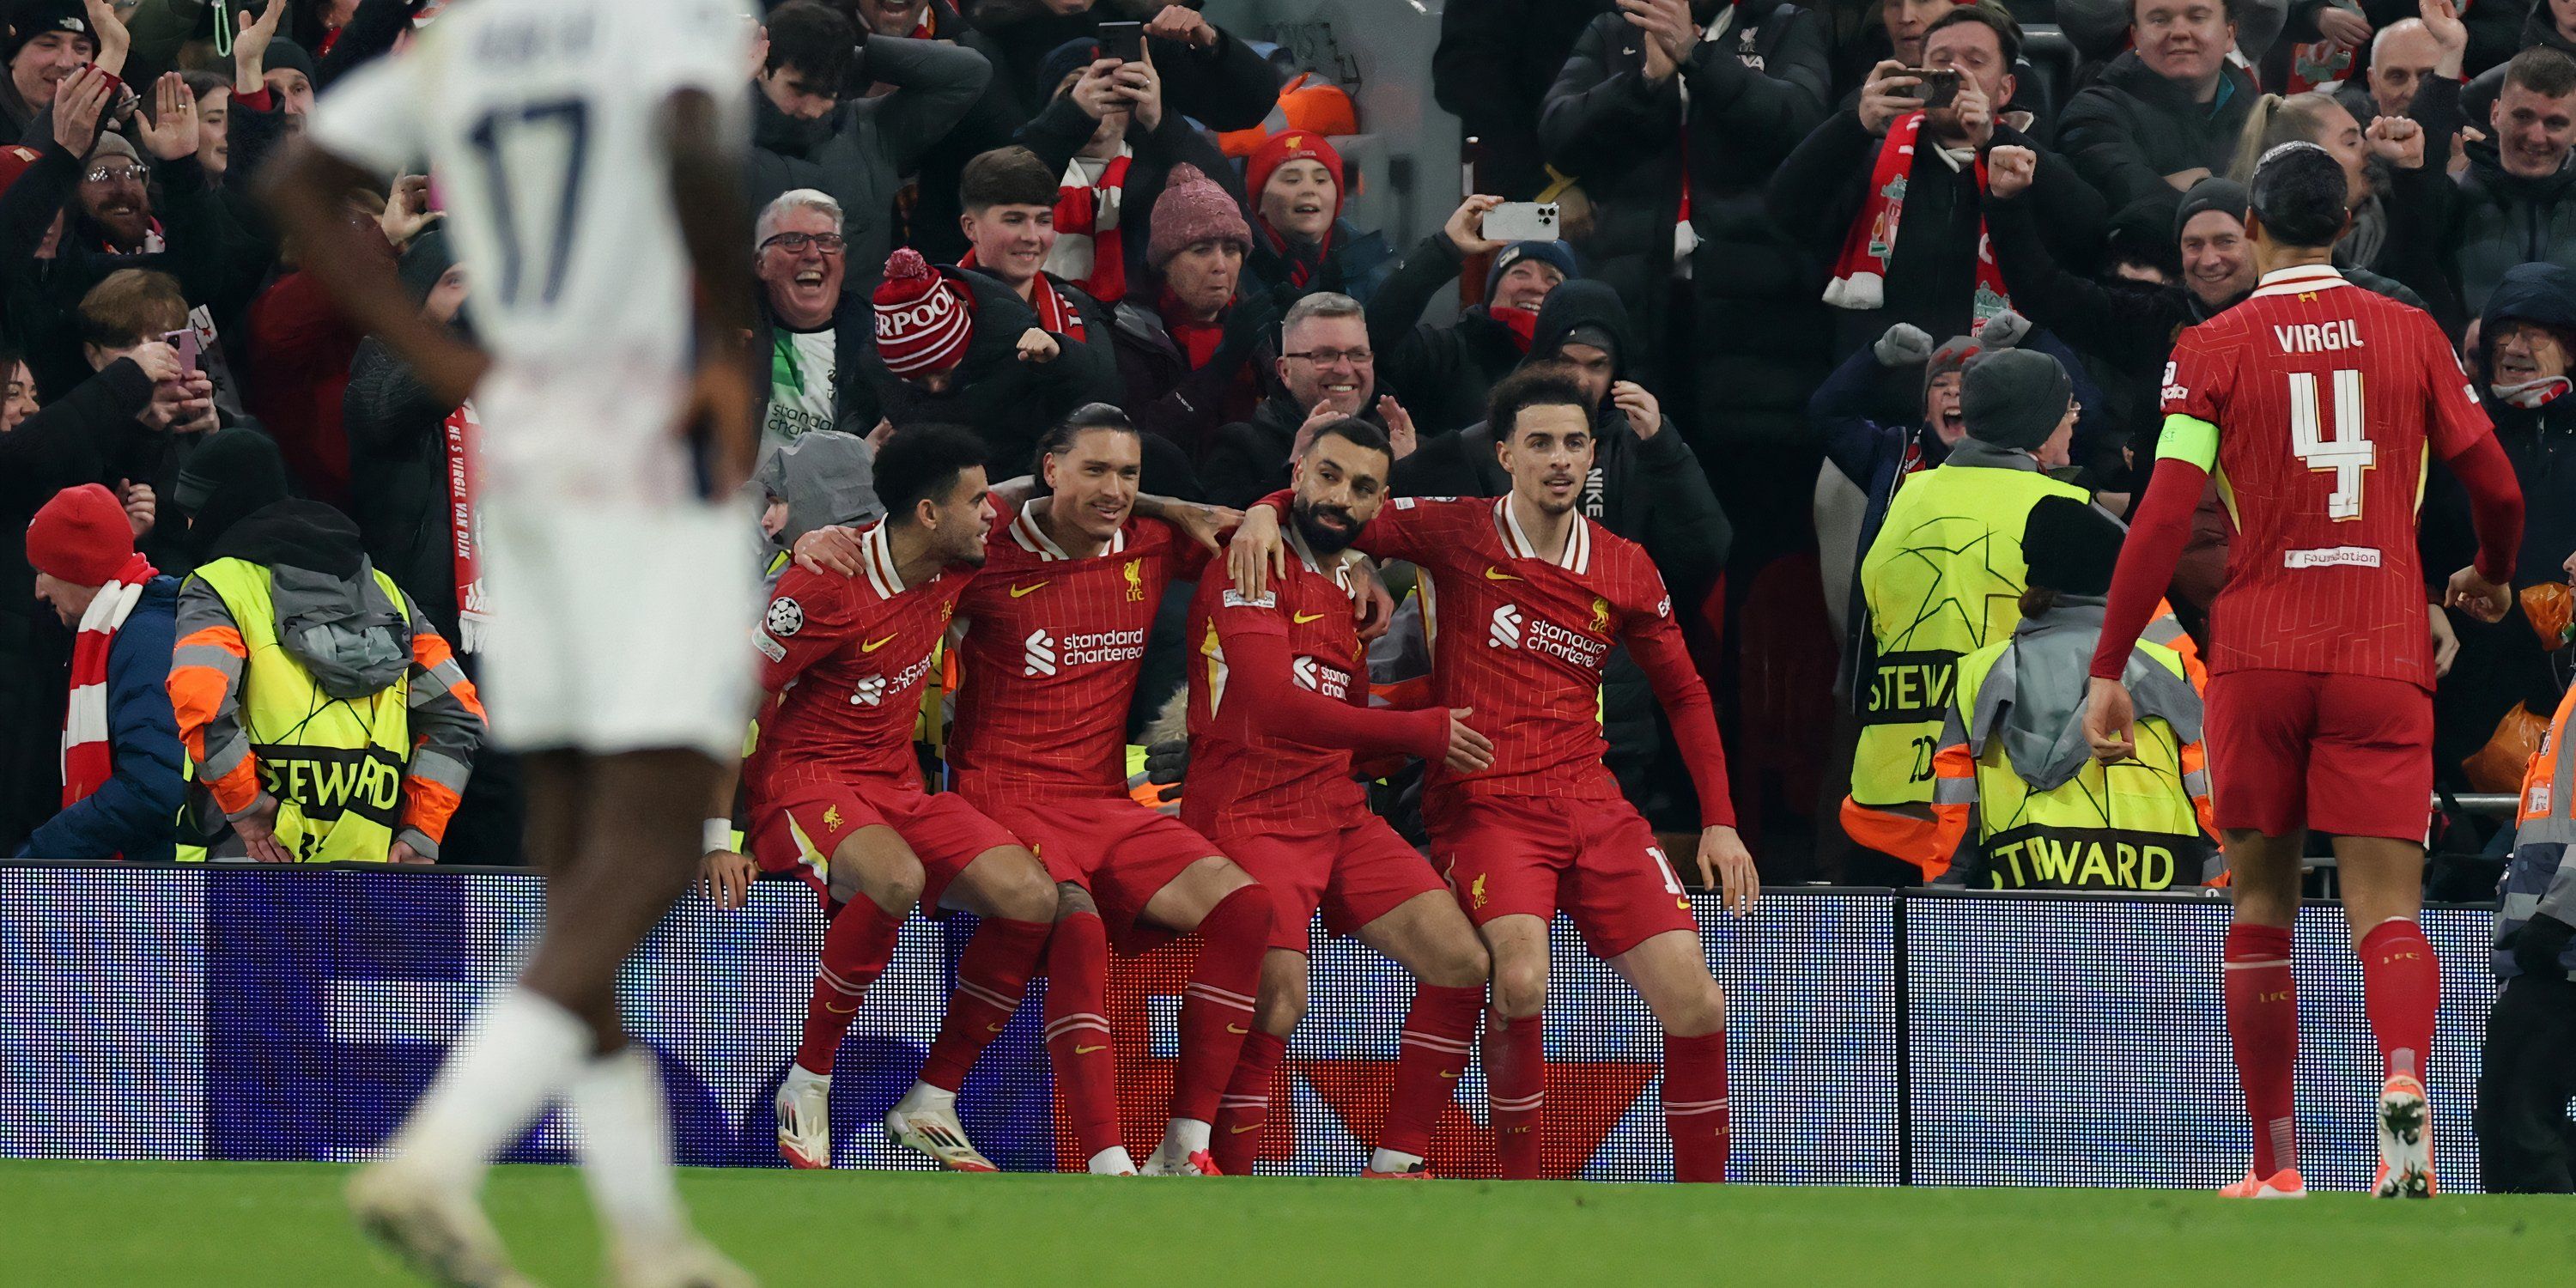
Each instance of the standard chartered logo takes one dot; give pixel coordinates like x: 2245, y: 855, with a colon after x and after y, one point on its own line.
x: 1506, y: 629
x: 870, y: 692
x: 1045, y: 654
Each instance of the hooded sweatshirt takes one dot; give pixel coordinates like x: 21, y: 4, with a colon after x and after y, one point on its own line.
x: 826, y: 478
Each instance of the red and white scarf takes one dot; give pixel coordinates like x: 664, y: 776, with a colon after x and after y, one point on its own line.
x: 1055, y: 312
x: 2532, y: 394
x: 87, y: 763
x: 1860, y: 272
x: 1090, y: 250
x: 465, y: 533
x: 2323, y: 64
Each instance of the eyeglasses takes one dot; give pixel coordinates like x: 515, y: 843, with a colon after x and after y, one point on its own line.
x: 112, y: 173
x: 796, y: 243
x: 1334, y: 357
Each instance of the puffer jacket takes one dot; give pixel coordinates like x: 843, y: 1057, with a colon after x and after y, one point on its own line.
x: 1757, y: 329
x: 2130, y: 128
x: 135, y: 812
x: 2479, y: 227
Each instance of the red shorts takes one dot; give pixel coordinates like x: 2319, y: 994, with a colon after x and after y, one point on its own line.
x: 1120, y: 851
x: 1595, y: 859
x: 802, y: 823
x: 1355, y: 874
x: 2347, y: 754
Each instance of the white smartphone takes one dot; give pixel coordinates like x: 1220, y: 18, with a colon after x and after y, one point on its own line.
x: 1515, y: 221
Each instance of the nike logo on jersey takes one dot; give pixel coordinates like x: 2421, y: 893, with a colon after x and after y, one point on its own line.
x: 840, y: 1010
x: 1084, y: 1050
x: 1493, y: 573
x: 1445, y: 1073
x: 1023, y: 592
x: 1240, y: 1130
x: 1303, y: 618
x: 1237, y: 1029
x: 874, y: 646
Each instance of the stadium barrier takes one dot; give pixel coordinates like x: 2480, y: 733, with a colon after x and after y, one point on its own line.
x: 1878, y: 1037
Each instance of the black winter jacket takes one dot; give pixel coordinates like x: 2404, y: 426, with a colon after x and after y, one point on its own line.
x: 2130, y: 128
x: 1756, y: 329
x: 1447, y: 370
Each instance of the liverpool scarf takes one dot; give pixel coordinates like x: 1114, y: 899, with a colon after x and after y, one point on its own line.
x: 1869, y: 249
x: 1089, y: 248
x: 86, y: 759
x: 1055, y: 312
x: 465, y: 536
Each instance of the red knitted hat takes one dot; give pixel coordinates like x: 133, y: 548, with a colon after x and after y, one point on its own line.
x: 1295, y: 145
x: 923, y: 322
x: 81, y: 536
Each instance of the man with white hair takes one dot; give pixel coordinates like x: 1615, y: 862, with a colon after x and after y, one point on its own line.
x: 807, y: 331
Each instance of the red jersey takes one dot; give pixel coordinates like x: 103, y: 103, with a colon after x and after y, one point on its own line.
x: 1522, y: 639
x: 846, y: 658
x: 1264, y: 757
x: 2327, y: 399
x: 1052, y: 648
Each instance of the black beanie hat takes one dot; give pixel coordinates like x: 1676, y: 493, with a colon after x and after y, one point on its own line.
x: 2015, y: 398
x: 2223, y: 195
x: 233, y: 473
x: 1064, y: 60
x: 286, y: 55
x: 29, y: 19
x: 2072, y: 547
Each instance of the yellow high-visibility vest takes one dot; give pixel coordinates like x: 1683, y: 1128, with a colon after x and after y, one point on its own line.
x: 335, y: 765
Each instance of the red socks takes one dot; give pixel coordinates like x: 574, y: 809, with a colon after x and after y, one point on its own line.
x: 1430, y: 1057
x: 1216, y: 1010
x: 1077, y: 1029
x: 991, y: 975
x: 1695, y: 1105
x: 1516, y: 1078
x: 2401, y: 988
x: 1246, y: 1107
x: 2263, y: 1026
x: 857, y: 944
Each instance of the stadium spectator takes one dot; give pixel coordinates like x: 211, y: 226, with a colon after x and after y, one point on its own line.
x: 808, y: 133
x: 1863, y: 35
x: 1730, y: 332
x: 1211, y: 75
x: 2166, y: 114
x: 126, y: 315
x: 1105, y: 130
x: 65, y: 443
x: 1008, y: 197
x: 301, y: 349
x: 2526, y: 1140
x: 1191, y: 360
x: 1944, y: 579
x: 2551, y: 25
x: 926, y: 212
x: 1448, y: 368
x: 2404, y: 58
x: 2508, y: 675
x: 325, y: 717
x: 959, y: 348
x: 824, y: 479
x: 2515, y: 205
x: 2018, y: 801
x: 1492, y: 71
x: 404, y: 451
x: 1873, y: 457
x: 120, y: 745
x: 2321, y: 119
x: 1326, y: 371
x: 48, y: 40
x: 812, y: 331
x: 1919, y: 256
x: 1300, y: 242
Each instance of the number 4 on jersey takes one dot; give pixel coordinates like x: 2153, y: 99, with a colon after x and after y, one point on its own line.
x: 2346, y: 450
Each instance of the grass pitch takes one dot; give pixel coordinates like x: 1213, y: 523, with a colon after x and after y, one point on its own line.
x: 273, y: 1225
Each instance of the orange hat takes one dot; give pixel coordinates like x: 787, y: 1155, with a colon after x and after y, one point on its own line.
x: 1320, y: 107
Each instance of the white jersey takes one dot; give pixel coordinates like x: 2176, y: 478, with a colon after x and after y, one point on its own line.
x: 541, y: 122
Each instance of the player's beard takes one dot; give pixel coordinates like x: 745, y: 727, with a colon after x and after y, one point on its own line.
x: 1320, y: 537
